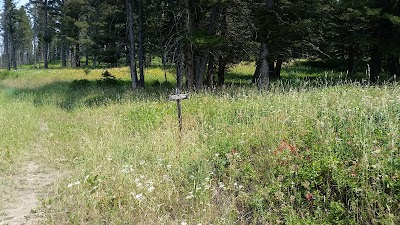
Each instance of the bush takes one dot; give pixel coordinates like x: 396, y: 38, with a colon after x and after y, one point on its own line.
x: 77, y: 85
x: 4, y: 74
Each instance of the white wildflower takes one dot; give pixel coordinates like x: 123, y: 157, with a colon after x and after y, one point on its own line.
x: 73, y: 184
x: 150, y: 189
x: 165, y: 178
x: 127, y: 169
x: 139, y: 196
x: 190, y: 195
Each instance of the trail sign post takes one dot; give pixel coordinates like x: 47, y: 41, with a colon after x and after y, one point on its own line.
x: 178, y: 97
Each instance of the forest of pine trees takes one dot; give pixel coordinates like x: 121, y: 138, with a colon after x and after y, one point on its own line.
x: 203, y: 37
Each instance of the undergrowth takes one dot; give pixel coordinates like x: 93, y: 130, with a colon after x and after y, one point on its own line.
x: 304, y: 152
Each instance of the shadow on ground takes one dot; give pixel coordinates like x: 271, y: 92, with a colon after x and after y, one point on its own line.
x: 69, y: 96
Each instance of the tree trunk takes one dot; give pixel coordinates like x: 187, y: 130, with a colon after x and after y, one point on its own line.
x: 46, y: 40
x: 6, y: 40
x: 278, y: 68
x: 257, y: 71
x: 94, y: 61
x: 63, y: 55
x: 6, y: 50
x: 261, y: 75
x: 271, y: 66
x: 221, y: 71
x: 179, y: 67
x: 77, y: 56
x: 86, y: 59
x: 131, y: 44
x: 203, y: 60
x: 188, y: 49
x: 198, y: 70
x: 13, y: 52
x: 141, y: 41
x: 164, y: 61
x: 35, y: 46
x: 210, y: 71
x: 376, y: 63
x: 11, y: 33
x: 72, y: 58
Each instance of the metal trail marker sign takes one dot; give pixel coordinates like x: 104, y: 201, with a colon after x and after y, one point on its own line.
x: 178, y: 97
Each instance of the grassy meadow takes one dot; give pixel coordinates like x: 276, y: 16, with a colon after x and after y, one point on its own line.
x: 305, y: 152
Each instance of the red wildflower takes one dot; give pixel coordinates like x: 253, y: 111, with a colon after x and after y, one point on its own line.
x: 309, y: 197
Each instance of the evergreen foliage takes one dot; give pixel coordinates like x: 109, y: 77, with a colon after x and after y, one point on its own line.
x: 205, y: 36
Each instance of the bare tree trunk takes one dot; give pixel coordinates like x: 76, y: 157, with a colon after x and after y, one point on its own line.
x: 13, y: 52
x: 7, y: 50
x: 86, y: 59
x: 188, y: 49
x: 77, y: 56
x: 278, y: 68
x: 6, y: 35
x: 210, y: 71
x: 131, y: 44
x: 141, y: 41
x: 261, y: 75
x: 221, y: 71
x: 64, y: 55
x: 72, y: 58
x: 198, y: 70
x: 271, y: 66
x: 203, y: 59
x: 46, y: 40
x: 164, y: 60
x: 179, y: 66
x: 94, y: 61
x: 34, y: 51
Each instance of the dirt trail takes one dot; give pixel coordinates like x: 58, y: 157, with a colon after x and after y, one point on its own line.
x: 20, y: 195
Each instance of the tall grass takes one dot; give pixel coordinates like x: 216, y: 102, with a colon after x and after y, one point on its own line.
x: 297, y: 154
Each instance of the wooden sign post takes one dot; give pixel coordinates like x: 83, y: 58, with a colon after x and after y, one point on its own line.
x: 178, y: 97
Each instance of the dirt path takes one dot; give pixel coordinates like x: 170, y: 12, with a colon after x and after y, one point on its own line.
x: 20, y: 194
